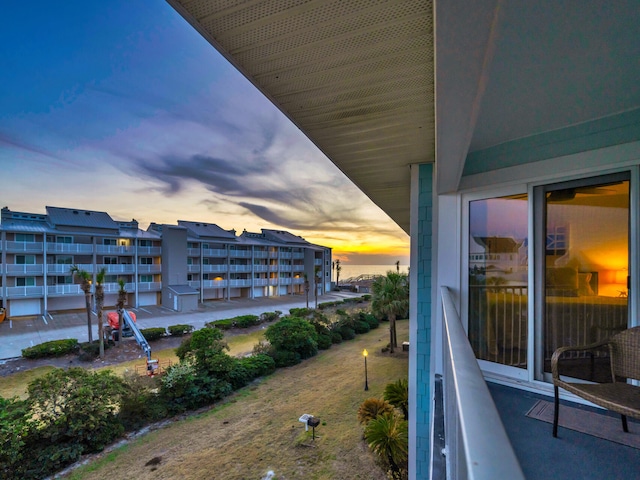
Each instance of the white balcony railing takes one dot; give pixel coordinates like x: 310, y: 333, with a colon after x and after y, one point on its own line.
x: 242, y: 282
x: 286, y: 268
x: 297, y: 281
x: 149, y: 286
x: 25, y: 291
x: 214, y: 268
x: 31, y: 247
x: 58, y: 269
x: 214, y: 283
x: 239, y: 268
x: 193, y: 252
x: 81, y: 248
x: 285, y: 281
x: 53, y: 290
x: 240, y: 253
x: 24, y: 269
x: 260, y: 254
x: 152, y: 251
x: 260, y: 282
x: 115, y: 250
x: 261, y: 268
x: 153, y: 268
x: 286, y: 255
x: 210, y: 252
x: 477, y: 445
x: 194, y: 284
x: 193, y: 268
x: 273, y: 254
x: 298, y: 255
x: 126, y: 268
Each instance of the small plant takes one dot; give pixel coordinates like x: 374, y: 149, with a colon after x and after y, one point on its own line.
x: 153, y: 333
x: 372, y: 408
x: 226, y: 324
x: 179, y: 330
x: 397, y: 394
x: 54, y: 348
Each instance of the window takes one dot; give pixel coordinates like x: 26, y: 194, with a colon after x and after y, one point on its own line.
x: 110, y: 260
x: 64, y: 239
x: 109, y: 241
x: 64, y: 260
x: 205, y: 246
x: 110, y: 279
x: 205, y: 276
x: 25, y: 281
x: 146, y: 261
x: 25, y: 237
x: 64, y: 280
x: 189, y: 277
x: 189, y: 261
x: 205, y: 261
x: 146, y: 278
x: 145, y: 243
x: 25, y: 259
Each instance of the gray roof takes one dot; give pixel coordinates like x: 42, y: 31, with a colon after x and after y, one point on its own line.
x: 183, y: 290
x: 284, y: 237
x: 207, y: 230
x: 73, y: 217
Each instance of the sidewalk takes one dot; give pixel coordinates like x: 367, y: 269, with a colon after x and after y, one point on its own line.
x: 28, y: 331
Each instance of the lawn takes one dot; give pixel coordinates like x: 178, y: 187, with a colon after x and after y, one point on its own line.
x: 256, y: 430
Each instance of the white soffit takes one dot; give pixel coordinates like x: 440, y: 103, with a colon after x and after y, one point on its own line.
x: 355, y: 76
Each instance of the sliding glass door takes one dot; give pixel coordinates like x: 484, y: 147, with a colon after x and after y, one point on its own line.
x: 582, y: 270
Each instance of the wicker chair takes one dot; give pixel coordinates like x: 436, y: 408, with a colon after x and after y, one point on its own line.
x: 618, y: 396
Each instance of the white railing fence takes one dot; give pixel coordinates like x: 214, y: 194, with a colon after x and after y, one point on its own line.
x: 477, y: 446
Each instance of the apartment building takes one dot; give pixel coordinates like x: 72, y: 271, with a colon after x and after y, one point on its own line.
x: 173, y: 265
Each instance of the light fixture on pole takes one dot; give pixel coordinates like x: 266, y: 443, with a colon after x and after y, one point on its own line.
x: 366, y: 379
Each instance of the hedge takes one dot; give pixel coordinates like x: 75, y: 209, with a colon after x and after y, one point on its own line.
x: 180, y: 329
x: 153, y: 333
x: 54, y: 348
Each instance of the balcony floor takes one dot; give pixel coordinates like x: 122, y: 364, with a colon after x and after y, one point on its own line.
x: 573, y: 455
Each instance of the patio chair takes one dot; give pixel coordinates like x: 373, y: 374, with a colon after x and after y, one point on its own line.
x: 618, y: 396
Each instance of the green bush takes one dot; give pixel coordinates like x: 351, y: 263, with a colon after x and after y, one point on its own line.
x: 366, y: 297
x: 154, y: 333
x: 226, y: 324
x: 300, y: 312
x: 284, y: 358
x: 179, y: 330
x: 336, y: 337
x: 370, y: 319
x: 325, y: 305
x: 140, y: 403
x: 184, y: 388
x: 270, y: 316
x: 54, y: 348
x: 294, y: 335
x: 324, y: 341
x: 361, y: 327
x: 347, y: 333
x: 259, y: 365
x: 90, y: 351
x: 246, y: 321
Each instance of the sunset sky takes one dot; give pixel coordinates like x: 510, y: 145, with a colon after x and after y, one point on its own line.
x: 123, y: 107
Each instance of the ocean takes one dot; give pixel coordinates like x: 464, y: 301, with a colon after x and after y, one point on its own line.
x: 348, y: 270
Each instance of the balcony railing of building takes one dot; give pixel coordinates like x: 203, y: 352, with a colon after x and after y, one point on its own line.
x: 214, y: 283
x: 286, y: 268
x: 58, y: 269
x: 37, y: 291
x: 241, y: 282
x: 298, y: 280
x: 318, y: 262
x: 193, y: 252
x: 261, y: 254
x: 273, y: 254
x: 286, y: 281
x: 477, y: 446
x: 153, y: 268
x: 260, y: 282
x: 286, y: 255
x: 116, y: 250
x: 153, y: 251
x: 81, y: 248
x: 214, y: 268
x: 261, y: 268
x: 194, y: 284
x: 240, y: 268
x: 149, y: 286
x: 23, y: 269
x: 273, y: 281
x: 118, y: 268
x: 193, y: 268
x: 240, y: 253
x: 298, y: 255
x: 211, y: 252
x: 31, y: 247
x: 54, y: 290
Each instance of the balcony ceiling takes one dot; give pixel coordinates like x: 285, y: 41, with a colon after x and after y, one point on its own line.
x: 355, y: 76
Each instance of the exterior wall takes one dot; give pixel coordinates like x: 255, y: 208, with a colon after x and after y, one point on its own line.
x: 420, y: 335
x: 174, y: 260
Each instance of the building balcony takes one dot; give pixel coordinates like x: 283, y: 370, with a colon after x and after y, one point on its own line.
x: 221, y: 268
x: 194, y: 284
x: 58, y: 269
x: 273, y: 254
x: 149, y: 286
x: 261, y: 268
x: 244, y: 282
x: 286, y: 268
x: 286, y: 281
x: 126, y: 268
x: 260, y: 282
x: 150, y: 251
x: 24, y: 269
x: 78, y: 248
x: 193, y: 252
x: 115, y: 250
x: 25, y: 247
x: 260, y: 254
x: 25, y: 292
x: 211, y: 252
x: 273, y: 281
x: 298, y: 255
x: 153, y: 268
x: 298, y: 281
x: 193, y: 268
x: 214, y: 283
x: 59, y: 290
x: 240, y: 253
x: 286, y: 255
x: 240, y: 268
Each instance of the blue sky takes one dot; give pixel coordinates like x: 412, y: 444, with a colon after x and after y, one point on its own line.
x: 121, y: 106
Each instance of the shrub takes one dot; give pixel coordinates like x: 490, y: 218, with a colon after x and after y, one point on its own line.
x: 263, y: 347
x: 54, y: 348
x: 361, y: 327
x: 226, y: 324
x: 284, y: 358
x: 294, y: 335
x: 89, y: 351
x: 325, y: 341
x: 325, y: 305
x: 259, y: 365
x: 179, y: 330
x: 347, y: 333
x: 155, y: 333
x: 397, y: 394
x: 140, y: 402
x: 203, y: 344
x: 300, y: 312
x: 336, y: 337
x: 366, y: 297
x: 246, y: 321
x: 372, y: 408
x: 370, y: 319
x: 270, y: 316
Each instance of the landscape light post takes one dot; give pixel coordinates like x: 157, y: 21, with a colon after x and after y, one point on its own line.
x: 366, y: 378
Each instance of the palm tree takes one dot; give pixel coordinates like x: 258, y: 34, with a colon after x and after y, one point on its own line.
x: 372, y: 408
x: 306, y: 288
x: 397, y: 394
x: 388, y: 437
x: 99, y: 304
x: 338, y: 268
x: 122, y: 299
x: 85, y: 285
x: 316, y: 279
x: 390, y: 297
x: 398, y: 266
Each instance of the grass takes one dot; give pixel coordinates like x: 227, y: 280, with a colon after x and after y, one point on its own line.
x: 16, y: 385
x: 257, y: 429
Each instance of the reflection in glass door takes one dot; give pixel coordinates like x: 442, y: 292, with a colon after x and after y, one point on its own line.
x: 498, y: 266
x: 583, y: 276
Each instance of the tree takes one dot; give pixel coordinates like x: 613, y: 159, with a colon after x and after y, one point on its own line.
x: 388, y: 437
x: 316, y: 279
x: 306, y: 287
x: 99, y: 305
x: 338, y: 269
x: 397, y: 394
x: 372, y: 408
x: 398, y: 266
x: 293, y: 334
x: 122, y: 299
x: 85, y: 285
x: 390, y: 297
